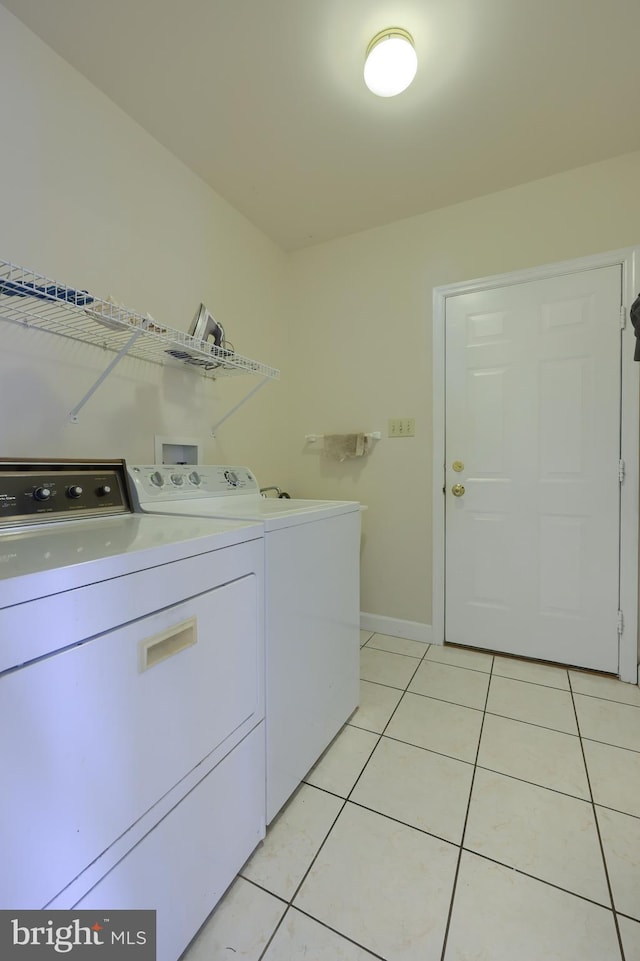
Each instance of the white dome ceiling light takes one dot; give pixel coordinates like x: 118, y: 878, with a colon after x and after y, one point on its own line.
x: 391, y: 62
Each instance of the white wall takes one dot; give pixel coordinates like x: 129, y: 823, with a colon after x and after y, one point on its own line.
x: 361, y: 333
x: 92, y: 201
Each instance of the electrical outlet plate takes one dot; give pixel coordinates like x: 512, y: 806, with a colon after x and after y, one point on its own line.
x: 401, y: 427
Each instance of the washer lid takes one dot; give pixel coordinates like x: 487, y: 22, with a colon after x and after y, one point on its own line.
x: 273, y: 512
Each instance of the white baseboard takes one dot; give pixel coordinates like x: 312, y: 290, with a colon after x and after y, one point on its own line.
x: 412, y: 630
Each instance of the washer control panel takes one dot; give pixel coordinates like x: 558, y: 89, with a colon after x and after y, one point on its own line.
x: 153, y: 482
x: 34, y: 492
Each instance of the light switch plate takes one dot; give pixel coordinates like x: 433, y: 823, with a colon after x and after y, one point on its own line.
x: 401, y: 427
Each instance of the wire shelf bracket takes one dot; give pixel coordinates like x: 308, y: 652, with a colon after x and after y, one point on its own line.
x: 240, y: 403
x: 73, y: 414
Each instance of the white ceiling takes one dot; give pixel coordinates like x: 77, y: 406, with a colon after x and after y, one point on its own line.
x: 264, y: 99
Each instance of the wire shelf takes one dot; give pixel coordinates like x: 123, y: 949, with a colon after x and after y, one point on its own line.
x: 33, y: 300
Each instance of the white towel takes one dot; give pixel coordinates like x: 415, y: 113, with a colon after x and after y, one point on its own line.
x: 341, y: 446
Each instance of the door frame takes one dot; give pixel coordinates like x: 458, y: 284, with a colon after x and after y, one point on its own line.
x: 629, y: 259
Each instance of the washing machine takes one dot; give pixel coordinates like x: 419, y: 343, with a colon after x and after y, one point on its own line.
x: 131, y: 699
x: 312, y: 604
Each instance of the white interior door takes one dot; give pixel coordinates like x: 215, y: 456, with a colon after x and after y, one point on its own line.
x: 533, y: 416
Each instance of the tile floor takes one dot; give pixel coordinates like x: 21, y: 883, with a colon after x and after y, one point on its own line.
x: 474, y: 808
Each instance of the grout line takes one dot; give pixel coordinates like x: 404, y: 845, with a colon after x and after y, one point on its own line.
x: 341, y: 809
x: 508, y: 717
x: 325, y: 790
x: 457, y: 667
x: 444, y: 700
x: 381, y: 734
x: 524, y: 780
x: 340, y: 934
x: 383, y: 650
x: 304, y: 877
x: 609, y: 700
x: 406, y: 824
x: 260, y: 887
x: 380, y: 684
x: 545, y: 727
x: 333, y: 823
x: 464, y: 826
x: 359, y: 727
x: 401, y: 699
x: 536, y: 877
x: 595, y: 818
x: 607, y: 807
x: 629, y: 917
x: 429, y: 750
x: 275, y: 931
x: 620, y: 747
x: 522, y: 680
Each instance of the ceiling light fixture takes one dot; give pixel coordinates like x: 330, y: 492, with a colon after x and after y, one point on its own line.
x: 391, y: 62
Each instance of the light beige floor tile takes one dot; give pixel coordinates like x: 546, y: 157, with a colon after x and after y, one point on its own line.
x: 299, y: 938
x: 377, y: 704
x: 500, y: 915
x: 540, y: 832
x: 615, y: 776
x: 340, y: 765
x: 382, y: 884
x: 630, y: 934
x: 397, y: 645
x: 532, y: 703
x: 545, y: 757
x: 455, y: 684
x: 609, y: 688
x: 364, y: 637
x: 437, y: 725
x: 607, y: 721
x: 239, y: 927
x: 381, y: 667
x: 460, y: 657
x: 621, y: 841
x: 530, y: 671
x: 292, y: 841
x: 426, y: 790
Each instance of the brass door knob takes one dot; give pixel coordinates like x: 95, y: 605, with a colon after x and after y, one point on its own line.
x: 457, y: 490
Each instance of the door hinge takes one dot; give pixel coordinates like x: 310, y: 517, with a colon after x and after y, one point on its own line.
x: 621, y: 470
x: 623, y: 316
x: 620, y: 622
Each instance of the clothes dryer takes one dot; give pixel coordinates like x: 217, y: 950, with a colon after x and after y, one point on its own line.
x: 131, y: 699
